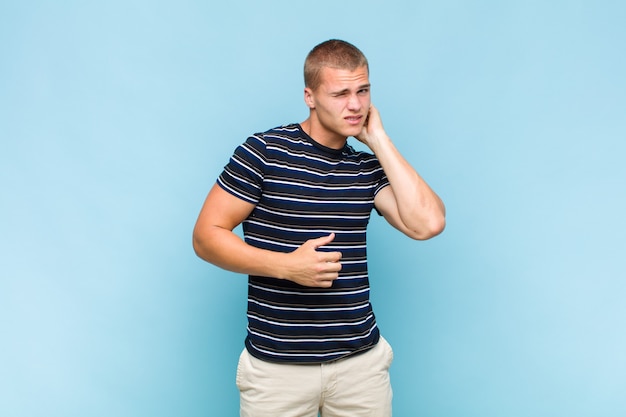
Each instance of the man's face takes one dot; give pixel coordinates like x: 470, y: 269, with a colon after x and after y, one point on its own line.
x: 340, y: 103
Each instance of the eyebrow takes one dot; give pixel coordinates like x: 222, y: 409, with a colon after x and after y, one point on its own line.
x: 346, y: 90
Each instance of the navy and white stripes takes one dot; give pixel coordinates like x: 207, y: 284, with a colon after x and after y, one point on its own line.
x: 303, y: 190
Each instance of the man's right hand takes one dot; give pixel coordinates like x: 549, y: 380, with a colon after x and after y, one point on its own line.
x: 215, y: 242
x: 312, y: 268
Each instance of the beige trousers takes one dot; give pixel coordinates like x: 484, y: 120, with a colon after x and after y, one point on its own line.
x: 357, y: 386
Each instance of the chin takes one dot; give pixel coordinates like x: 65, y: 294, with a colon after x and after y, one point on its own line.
x: 354, y: 131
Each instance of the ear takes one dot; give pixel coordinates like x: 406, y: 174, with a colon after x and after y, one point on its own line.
x: 308, y: 98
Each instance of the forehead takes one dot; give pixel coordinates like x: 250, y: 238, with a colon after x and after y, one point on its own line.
x: 333, y: 77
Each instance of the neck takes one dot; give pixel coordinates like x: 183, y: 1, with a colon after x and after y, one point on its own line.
x: 321, y: 137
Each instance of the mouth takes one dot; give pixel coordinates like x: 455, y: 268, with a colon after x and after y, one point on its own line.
x: 353, y: 120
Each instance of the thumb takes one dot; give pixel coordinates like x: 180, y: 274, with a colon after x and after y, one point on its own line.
x: 324, y: 240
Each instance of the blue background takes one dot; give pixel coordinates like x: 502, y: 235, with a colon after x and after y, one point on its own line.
x: 117, y: 116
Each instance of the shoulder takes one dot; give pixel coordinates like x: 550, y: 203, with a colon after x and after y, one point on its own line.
x: 286, y: 141
x: 289, y: 131
x: 277, y: 135
x: 359, y: 156
x: 260, y: 142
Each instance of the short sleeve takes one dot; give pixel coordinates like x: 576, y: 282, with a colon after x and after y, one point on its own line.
x: 244, y: 173
x: 382, y: 183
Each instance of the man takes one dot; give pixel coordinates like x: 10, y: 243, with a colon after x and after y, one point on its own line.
x: 304, y: 197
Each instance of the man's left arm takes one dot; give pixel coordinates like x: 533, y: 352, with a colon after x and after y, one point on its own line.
x: 408, y: 203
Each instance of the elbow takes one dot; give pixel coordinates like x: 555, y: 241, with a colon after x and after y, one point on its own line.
x: 195, y: 243
x: 207, y: 244
x: 438, y: 226
x: 197, y: 246
x: 429, y: 230
x: 435, y: 223
x: 431, y: 224
x: 200, y: 246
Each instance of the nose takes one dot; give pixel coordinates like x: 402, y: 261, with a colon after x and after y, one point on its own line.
x: 354, y: 104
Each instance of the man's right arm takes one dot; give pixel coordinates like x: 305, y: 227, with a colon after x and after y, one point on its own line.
x: 215, y: 242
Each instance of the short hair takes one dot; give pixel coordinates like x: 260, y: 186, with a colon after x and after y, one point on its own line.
x: 333, y: 53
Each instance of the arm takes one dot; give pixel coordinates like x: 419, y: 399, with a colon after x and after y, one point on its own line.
x: 215, y: 242
x: 408, y: 204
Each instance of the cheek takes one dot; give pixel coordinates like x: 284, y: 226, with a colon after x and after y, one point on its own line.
x: 331, y: 110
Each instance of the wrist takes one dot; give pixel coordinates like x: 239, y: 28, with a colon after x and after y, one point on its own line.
x: 377, y: 143
x: 280, y: 265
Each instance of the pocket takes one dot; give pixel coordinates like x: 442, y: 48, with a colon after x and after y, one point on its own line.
x: 388, y: 351
x: 241, y: 365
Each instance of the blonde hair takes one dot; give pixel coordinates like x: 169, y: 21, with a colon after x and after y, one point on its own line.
x: 333, y: 53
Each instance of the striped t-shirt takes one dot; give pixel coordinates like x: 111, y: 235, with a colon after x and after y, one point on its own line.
x: 303, y: 190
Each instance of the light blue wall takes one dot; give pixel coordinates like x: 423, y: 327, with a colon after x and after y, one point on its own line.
x: 116, y: 117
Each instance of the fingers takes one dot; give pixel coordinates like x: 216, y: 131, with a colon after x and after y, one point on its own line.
x: 331, y: 257
x: 329, y: 265
x: 325, y: 283
x: 315, y: 267
x: 329, y: 268
x: 322, y: 241
x: 374, y: 118
x: 329, y: 275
